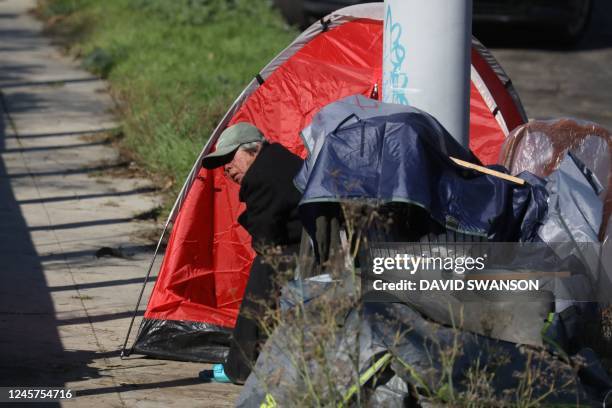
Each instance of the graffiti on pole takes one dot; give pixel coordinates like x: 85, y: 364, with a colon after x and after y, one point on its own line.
x: 395, y: 80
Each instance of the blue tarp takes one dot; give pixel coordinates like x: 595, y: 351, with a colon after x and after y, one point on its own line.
x: 404, y: 157
x: 344, y: 111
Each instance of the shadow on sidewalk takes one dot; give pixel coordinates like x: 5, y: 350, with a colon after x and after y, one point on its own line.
x: 142, y: 190
x: 27, y: 319
x: 58, y: 147
x: 31, y: 350
x: 135, y: 387
x: 105, y: 284
x: 98, y: 318
x: 66, y: 172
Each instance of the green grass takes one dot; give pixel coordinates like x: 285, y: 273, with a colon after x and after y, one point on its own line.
x: 174, y: 66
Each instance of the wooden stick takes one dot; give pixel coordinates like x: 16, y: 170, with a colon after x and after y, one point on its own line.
x: 490, y: 172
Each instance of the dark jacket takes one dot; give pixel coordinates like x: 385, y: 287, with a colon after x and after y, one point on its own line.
x: 271, y: 215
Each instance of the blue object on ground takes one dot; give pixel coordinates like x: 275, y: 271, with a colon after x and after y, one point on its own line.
x: 217, y: 374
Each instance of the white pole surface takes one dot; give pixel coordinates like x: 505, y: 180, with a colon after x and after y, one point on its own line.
x: 426, y: 59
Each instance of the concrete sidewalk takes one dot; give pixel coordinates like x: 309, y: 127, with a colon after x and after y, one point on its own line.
x: 63, y: 310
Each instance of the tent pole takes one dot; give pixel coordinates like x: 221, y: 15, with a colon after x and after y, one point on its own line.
x: 124, y: 351
x: 427, y: 59
x: 175, y: 208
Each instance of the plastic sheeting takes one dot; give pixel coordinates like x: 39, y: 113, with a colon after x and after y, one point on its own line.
x: 404, y: 157
x: 580, y: 206
x: 184, y: 341
x: 540, y: 146
x: 575, y: 211
x: 576, y: 158
x: 416, y: 346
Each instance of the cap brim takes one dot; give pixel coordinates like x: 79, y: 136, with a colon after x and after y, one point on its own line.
x: 218, y: 158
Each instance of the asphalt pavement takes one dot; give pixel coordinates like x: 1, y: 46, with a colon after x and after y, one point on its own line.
x: 554, y: 81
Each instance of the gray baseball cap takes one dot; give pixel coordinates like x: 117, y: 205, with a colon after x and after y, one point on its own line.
x: 228, y: 143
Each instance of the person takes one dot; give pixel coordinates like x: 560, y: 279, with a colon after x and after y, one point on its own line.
x: 265, y: 173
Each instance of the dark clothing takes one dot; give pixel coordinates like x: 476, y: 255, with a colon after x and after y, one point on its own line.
x: 260, y: 296
x: 271, y: 215
x: 247, y: 334
x: 271, y: 218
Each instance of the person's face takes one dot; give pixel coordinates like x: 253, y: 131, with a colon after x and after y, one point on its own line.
x: 236, y: 169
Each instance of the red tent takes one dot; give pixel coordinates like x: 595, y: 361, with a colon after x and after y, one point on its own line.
x: 196, y: 297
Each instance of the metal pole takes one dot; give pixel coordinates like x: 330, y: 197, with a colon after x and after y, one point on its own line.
x: 426, y: 59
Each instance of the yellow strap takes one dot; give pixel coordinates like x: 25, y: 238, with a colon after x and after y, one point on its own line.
x: 268, y: 402
x: 365, y: 377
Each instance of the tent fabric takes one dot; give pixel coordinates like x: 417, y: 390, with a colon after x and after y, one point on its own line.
x: 404, y: 157
x: 184, y: 340
x: 208, y: 256
x: 491, y: 80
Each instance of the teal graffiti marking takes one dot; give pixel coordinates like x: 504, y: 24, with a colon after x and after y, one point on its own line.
x: 396, y: 53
